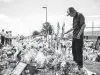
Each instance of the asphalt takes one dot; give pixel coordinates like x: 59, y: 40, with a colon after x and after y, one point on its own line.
x: 93, y: 66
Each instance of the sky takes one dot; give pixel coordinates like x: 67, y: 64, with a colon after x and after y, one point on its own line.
x: 24, y: 16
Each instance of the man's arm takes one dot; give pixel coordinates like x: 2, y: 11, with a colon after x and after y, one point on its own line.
x: 69, y: 30
x: 81, y: 31
x: 82, y: 24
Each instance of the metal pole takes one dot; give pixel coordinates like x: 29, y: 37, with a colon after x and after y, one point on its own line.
x: 46, y: 21
x: 46, y: 14
x: 92, y: 29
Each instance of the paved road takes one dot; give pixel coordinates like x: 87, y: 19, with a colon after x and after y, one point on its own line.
x: 93, y: 66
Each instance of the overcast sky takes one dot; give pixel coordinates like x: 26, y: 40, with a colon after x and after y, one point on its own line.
x: 25, y: 16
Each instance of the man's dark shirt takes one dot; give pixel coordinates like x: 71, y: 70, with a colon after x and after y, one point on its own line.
x: 78, y: 22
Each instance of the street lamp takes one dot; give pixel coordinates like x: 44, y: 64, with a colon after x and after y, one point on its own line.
x: 47, y: 35
x: 46, y: 13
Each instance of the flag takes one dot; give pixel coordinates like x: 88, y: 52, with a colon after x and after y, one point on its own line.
x: 63, y: 30
x: 58, y: 28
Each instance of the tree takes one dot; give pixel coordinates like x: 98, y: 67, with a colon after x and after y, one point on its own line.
x: 47, y: 28
x: 35, y: 33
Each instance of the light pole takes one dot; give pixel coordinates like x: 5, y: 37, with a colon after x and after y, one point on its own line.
x: 46, y: 13
x: 47, y: 35
x: 46, y: 21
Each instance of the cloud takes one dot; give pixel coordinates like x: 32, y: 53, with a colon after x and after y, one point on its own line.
x: 61, y: 19
x: 96, y: 23
x: 6, y: 0
x: 8, y: 19
x: 10, y: 23
x: 35, y: 22
x: 94, y: 16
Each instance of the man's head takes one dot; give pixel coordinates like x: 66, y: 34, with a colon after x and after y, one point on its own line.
x: 10, y: 31
x: 7, y: 32
x: 2, y: 30
x: 71, y: 11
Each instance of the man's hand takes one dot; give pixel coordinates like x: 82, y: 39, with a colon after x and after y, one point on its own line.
x: 81, y: 31
x: 69, y: 31
x: 66, y: 32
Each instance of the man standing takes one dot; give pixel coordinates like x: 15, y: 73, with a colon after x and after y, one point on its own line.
x: 10, y: 37
x: 78, y: 33
x: 2, y: 37
x: 6, y: 38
